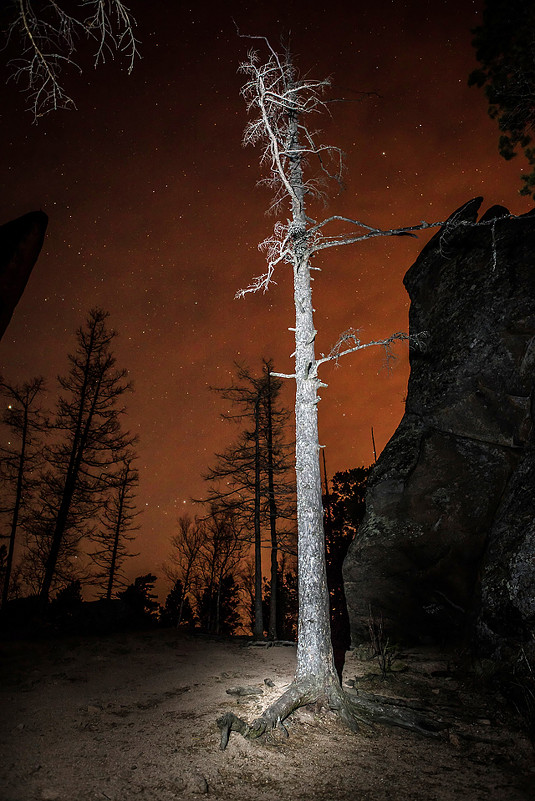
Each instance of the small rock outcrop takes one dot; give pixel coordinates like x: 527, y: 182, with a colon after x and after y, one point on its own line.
x: 21, y: 241
x: 447, y: 546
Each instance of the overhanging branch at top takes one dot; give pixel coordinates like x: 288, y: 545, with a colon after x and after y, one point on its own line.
x: 276, y: 95
x: 48, y: 41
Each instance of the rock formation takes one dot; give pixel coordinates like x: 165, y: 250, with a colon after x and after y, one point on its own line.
x: 447, y: 546
x: 20, y: 244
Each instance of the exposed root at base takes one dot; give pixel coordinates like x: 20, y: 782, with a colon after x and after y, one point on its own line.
x: 294, y: 697
x: 353, y: 710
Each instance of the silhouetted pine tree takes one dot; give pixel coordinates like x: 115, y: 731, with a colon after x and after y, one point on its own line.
x: 141, y: 600
x: 88, y: 450
x: 21, y: 459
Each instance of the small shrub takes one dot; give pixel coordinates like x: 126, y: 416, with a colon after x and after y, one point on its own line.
x: 382, y: 649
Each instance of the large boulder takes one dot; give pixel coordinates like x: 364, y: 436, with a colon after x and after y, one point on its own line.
x: 505, y: 622
x: 447, y: 543
x: 21, y: 241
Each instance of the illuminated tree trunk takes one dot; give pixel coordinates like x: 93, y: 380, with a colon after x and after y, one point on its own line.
x: 280, y: 101
x: 315, y: 664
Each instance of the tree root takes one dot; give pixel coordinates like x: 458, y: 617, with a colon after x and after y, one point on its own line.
x: 386, y: 712
x: 353, y: 710
x: 294, y: 697
x: 269, y: 643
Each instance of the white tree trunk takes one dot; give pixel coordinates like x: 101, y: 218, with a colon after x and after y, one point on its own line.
x: 315, y: 663
x: 314, y: 651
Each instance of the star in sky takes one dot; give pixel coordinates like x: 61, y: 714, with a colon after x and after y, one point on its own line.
x: 154, y: 215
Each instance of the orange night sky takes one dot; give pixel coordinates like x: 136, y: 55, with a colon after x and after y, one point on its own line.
x: 155, y: 216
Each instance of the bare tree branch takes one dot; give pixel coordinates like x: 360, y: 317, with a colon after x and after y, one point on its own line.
x: 47, y: 38
x: 351, y: 335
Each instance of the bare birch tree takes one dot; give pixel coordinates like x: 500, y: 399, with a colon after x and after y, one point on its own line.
x: 280, y: 103
x: 45, y: 37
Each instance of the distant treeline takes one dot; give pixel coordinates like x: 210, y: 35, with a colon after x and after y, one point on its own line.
x: 68, y: 511
x: 67, y: 477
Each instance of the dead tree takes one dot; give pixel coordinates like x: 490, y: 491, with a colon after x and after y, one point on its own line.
x: 21, y: 460
x: 250, y: 478
x: 272, y: 505
x: 280, y: 102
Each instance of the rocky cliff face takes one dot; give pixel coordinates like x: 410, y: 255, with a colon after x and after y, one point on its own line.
x: 448, y: 542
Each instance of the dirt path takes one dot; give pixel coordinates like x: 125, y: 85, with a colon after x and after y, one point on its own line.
x: 133, y: 716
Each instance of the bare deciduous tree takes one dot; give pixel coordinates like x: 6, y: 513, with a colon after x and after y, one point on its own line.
x: 221, y: 552
x: 183, y: 562
x: 46, y: 39
x: 20, y: 459
x: 280, y: 103
x: 204, y: 559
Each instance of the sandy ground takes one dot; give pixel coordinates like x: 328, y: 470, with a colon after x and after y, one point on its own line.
x: 132, y: 716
